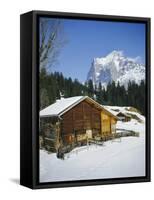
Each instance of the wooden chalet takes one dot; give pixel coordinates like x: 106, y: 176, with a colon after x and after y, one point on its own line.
x: 123, y: 117
x: 75, y: 120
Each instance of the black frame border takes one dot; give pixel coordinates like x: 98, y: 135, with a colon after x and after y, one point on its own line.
x: 30, y: 176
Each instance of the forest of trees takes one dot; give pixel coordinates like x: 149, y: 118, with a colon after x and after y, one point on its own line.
x: 53, y: 85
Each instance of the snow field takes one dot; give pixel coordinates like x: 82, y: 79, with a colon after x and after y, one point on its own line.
x: 112, y: 160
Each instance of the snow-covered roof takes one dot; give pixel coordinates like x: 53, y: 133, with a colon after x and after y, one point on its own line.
x: 123, y: 113
x: 110, y: 110
x: 63, y: 105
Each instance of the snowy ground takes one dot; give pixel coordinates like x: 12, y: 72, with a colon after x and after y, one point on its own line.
x: 125, y: 158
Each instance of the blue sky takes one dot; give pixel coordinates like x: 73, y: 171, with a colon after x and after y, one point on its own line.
x: 90, y: 39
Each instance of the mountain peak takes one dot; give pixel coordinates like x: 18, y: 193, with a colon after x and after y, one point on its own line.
x: 116, y: 67
x: 115, y: 53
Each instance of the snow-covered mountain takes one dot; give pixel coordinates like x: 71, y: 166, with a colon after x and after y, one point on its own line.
x: 116, y: 67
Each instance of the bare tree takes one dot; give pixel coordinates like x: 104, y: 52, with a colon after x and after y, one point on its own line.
x: 51, y: 41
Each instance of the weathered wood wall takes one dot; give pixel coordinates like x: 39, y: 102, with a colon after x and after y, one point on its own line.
x: 80, y: 119
x: 113, y: 125
x: 49, y: 133
x: 105, y: 124
x: 108, y: 124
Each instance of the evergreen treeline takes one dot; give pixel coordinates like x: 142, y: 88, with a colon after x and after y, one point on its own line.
x: 53, y: 85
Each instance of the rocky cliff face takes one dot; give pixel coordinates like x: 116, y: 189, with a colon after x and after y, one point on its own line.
x: 116, y: 67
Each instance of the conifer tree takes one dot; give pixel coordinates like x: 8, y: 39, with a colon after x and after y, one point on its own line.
x: 99, y: 92
x: 90, y: 88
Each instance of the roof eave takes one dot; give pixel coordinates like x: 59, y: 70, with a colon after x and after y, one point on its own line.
x: 71, y: 106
